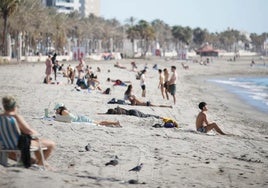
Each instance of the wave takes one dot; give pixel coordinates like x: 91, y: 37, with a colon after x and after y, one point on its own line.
x: 253, y: 90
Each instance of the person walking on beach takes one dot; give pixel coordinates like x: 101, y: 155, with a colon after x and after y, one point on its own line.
x: 48, y: 69
x: 55, y: 65
x: 202, y: 124
x: 10, y: 109
x: 166, y: 78
x: 143, y: 83
x: 161, y: 82
x: 172, y: 83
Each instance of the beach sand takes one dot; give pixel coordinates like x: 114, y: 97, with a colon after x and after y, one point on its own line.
x: 171, y: 157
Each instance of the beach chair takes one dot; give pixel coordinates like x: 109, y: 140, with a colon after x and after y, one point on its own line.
x: 9, y: 137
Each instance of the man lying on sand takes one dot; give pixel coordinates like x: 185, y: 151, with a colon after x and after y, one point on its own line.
x: 202, y: 124
x: 130, y: 112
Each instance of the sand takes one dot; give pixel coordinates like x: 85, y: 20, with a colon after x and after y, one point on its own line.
x: 171, y: 157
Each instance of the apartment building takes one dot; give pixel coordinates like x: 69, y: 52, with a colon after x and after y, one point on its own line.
x: 85, y: 7
x: 90, y: 7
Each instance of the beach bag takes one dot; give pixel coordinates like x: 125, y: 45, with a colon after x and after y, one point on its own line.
x: 24, y: 144
x: 169, y: 125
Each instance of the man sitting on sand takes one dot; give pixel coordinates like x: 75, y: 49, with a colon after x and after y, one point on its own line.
x: 202, y: 124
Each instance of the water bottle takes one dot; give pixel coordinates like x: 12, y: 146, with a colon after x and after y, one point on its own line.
x: 46, y: 112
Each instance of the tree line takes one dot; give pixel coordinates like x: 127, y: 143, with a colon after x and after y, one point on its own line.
x: 40, y: 26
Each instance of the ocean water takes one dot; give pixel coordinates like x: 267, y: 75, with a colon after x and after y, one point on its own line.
x: 252, y: 90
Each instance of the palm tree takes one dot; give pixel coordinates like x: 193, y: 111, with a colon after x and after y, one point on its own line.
x: 146, y: 33
x: 7, y: 8
x: 182, y: 35
x: 131, y: 31
x: 162, y: 33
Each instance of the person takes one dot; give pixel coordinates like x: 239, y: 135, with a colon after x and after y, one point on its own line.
x: 128, y: 95
x: 143, y: 83
x: 55, y: 65
x: 119, y: 65
x: 252, y: 63
x: 166, y: 78
x: 63, y: 114
x: 118, y: 82
x: 81, y: 82
x: 134, y: 66
x: 130, y: 112
x: 11, y: 109
x: 202, y: 124
x: 80, y: 66
x: 172, y: 83
x: 61, y: 68
x: 161, y: 82
x: 93, y: 82
x: 48, y: 69
x: 70, y: 74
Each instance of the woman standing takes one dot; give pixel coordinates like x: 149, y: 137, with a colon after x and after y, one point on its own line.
x: 48, y: 69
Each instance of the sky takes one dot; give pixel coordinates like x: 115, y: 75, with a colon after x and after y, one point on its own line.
x: 214, y: 15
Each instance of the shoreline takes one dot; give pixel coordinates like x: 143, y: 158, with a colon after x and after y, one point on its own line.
x: 172, y: 157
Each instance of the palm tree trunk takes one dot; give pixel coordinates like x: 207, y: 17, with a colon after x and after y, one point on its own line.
x: 4, y: 48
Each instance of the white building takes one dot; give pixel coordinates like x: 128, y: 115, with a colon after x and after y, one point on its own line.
x: 90, y: 7
x: 85, y: 7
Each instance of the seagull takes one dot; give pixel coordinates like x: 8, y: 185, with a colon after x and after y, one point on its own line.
x: 137, y: 168
x: 112, y: 162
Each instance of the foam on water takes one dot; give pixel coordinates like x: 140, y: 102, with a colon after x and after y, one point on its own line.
x: 253, y: 90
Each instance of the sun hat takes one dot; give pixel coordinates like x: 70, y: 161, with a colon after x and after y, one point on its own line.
x: 58, y: 105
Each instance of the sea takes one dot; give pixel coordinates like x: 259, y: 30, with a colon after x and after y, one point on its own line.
x: 252, y: 90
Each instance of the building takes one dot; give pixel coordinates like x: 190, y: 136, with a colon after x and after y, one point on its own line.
x: 85, y: 7
x: 207, y: 50
x: 90, y: 7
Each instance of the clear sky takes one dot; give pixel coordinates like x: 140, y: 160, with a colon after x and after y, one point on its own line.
x: 214, y: 15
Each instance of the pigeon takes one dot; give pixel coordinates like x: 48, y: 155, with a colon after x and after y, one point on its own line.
x: 87, y: 147
x: 137, y: 168
x: 112, y: 162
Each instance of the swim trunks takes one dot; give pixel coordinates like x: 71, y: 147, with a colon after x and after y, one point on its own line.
x: 172, y: 89
x: 148, y: 103
x: 202, y: 129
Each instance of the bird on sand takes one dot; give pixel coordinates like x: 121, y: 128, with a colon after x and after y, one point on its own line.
x: 137, y: 168
x: 87, y: 147
x: 112, y: 162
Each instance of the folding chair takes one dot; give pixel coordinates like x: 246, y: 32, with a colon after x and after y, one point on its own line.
x: 9, y: 136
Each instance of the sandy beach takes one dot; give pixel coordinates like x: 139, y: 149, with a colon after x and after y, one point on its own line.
x: 172, y: 157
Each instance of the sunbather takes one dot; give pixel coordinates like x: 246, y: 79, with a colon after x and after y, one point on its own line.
x: 130, y: 112
x: 63, y: 114
x: 134, y: 101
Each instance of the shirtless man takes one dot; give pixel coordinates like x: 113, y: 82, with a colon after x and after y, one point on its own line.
x: 202, y: 124
x: 172, y: 83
